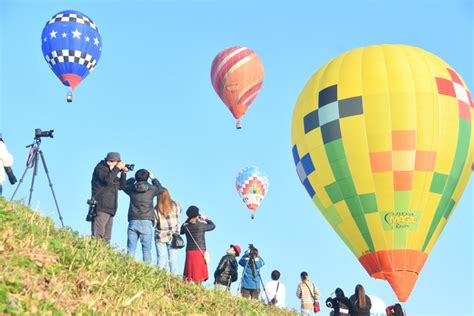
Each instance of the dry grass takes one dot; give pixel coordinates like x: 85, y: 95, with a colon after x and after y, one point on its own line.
x: 55, y: 271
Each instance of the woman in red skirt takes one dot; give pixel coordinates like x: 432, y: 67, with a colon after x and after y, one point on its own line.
x: 195, y: 228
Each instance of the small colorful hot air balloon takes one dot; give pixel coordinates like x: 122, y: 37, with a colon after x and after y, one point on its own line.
x: 71, y: 46
x: 237, y: 77
x: 382, y: 140
x: 252, y: 186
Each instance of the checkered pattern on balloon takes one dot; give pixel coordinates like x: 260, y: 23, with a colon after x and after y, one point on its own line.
x: 252, y: 186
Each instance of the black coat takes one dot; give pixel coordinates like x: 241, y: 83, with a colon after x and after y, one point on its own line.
x: 142, y: 195
x: 357, y: 310
x: 339, y: 303
x: 105, y: 186
x: 197, y: 230
x: 226, y: 271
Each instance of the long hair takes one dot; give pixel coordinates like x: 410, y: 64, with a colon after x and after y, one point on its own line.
x: 360, y: 292
x: 165, y: 203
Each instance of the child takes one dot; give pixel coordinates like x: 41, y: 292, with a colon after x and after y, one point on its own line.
x: 226, y: 271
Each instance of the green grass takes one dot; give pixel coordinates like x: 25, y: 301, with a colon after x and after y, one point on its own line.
x: 44, y: 269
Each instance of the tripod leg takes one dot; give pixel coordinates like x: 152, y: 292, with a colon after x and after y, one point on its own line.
x: 35, y: 173
x: 19, y: 183
x: 51, y: 186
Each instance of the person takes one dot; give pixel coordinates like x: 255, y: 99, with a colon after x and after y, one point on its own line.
x: 275, y: 291
x: 252, y: 263
x: 105, y: 185
x: 141, y: 213
x: 195, y: 228
x: 227, y: 269
x: 308, y: 293
x: 395, y: 310
x: 6, y: 161
x: 167, y: 214
x: 361, y: 303
x: 340, y: 304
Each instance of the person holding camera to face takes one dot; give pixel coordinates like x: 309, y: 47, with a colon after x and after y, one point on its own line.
x: 340, y: 304
x: 105, y: 186
x: 141, y: 212
x: 252, y: 263
x: 6, y: 162
x: 197, y: 257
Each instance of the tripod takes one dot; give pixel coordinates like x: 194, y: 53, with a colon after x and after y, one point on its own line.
x: 32, y: 162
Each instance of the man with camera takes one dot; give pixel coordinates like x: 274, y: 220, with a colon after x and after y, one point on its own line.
x: 251, y: 279
x: 141, y: 212
x: 104, y: 201
x: 6, y: 161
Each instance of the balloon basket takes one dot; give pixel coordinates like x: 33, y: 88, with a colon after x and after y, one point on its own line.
x: 238, y: 125
x: 252, y: 216
x: 69, y: 97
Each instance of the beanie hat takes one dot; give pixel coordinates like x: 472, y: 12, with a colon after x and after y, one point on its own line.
x: 193, y: 211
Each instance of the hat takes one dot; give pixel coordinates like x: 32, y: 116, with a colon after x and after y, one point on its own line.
x: 193, y: 211
x: 113, y: 156
x: 237, y: 249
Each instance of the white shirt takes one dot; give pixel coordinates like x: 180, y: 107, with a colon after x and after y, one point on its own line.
x: 271, y: 288
x: 6, y: 160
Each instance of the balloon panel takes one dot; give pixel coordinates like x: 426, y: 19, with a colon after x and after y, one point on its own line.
x: 71, y: 46
x: 382, y: 143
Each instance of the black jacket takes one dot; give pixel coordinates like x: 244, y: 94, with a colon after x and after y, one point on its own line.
x: 357, y: 310
x: 226, y: 271
x: 142, y: 195
x: 198, y: 230
x: 105, y: 186
x: 338, y: 304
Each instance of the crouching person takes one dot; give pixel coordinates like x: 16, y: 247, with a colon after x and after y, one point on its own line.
x: 227, y: 270
x: 141, y: 212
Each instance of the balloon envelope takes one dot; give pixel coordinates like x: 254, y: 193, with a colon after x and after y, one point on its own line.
x: 237, y: 77
x: 382, y: 141
x: 71, y: 46
x: 252, y: 186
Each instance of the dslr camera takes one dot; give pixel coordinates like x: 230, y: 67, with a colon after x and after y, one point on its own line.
x: 39, y: 133
x: 92, y: 209
x: 130, y: 167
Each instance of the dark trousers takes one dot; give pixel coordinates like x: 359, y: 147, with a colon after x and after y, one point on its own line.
x: 250, y: 293
x: 102, y: 226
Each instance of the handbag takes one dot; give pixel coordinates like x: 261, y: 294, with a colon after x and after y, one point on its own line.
x: 316, y: 307
x: 177, y: 241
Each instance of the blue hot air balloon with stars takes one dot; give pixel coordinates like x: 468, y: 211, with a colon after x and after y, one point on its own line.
x: 71, y: 46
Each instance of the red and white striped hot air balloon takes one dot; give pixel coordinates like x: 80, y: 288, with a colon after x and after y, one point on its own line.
x: 237, y: 77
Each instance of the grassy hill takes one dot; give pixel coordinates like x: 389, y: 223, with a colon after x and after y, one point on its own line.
x: 47, y: 270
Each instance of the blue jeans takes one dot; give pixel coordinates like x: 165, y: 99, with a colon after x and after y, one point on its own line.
x: 142, y: 229
x: 167, y: 256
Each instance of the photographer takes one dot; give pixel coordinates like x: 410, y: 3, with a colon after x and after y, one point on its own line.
x: 6, y: 161
x: 141, y: 212
x: 105, y: 186
x: 340, y: 304
x: 252, y: 262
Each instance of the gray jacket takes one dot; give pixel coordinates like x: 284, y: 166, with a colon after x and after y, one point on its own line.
x: 142, y: 195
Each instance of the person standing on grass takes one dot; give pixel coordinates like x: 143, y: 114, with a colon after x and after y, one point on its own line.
x: 167, y: 213
x: 227, y: 269
x: 195, y: 228
x: 361, y: 303
x: 275, y: 290
x: 307, y: 292
x: 141, y: 213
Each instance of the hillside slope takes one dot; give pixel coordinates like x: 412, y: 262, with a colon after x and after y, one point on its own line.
x: 45, y: 269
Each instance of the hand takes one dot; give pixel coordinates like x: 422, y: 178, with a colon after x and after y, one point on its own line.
x: 125, y: 170
x: 152, y: 176
x: 120, y: 165
x: 203, y: 217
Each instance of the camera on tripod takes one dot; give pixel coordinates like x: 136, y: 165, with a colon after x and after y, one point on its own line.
x: 39, y: 133
x: 92, y: 209
x: 130, y: 167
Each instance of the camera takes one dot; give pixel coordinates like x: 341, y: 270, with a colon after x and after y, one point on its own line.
x: 130, y: 167
x: 39, y: 133
x: 92, y: 209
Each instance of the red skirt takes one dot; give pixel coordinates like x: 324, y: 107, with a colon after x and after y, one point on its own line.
x: 195, y: 267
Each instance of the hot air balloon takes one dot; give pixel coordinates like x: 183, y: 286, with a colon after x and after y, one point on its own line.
x: 237, y: 77
x: 382, y: 141
x: 71, y: 46
x: 252, y: 186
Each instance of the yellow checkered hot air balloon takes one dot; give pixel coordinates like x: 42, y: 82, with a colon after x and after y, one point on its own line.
x: 383, y: 143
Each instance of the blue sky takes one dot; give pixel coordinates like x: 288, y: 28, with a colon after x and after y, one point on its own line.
x: 150, y: 98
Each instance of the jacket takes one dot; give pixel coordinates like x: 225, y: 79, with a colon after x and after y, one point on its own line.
x: 105, y: 186
x: 198, y: 230
x: 6, y: 160
x: 250, y: 279
x: 226, y: 271
x: 142, y: 195
x: 358, y: 311
x: 341, y: 306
